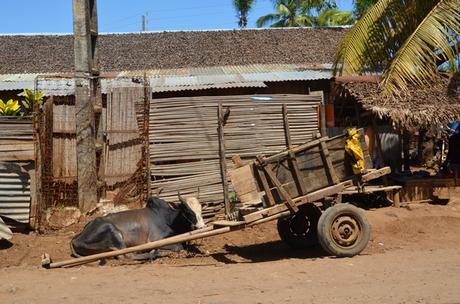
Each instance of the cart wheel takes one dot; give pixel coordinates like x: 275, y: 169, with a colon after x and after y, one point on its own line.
x: 343, y: 230
x: 300, y: 230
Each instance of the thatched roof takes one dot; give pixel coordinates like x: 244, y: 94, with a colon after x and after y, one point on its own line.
x: 166, y: 50
x: 417, y: 108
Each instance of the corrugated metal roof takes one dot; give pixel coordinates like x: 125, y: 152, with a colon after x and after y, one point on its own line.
x: 176, y: 79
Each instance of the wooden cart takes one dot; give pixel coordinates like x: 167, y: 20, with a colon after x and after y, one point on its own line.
x: 301, y: 188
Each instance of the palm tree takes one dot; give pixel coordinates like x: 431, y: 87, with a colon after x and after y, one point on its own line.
x: 404, y: 39
x: 289, y: 14
x: 243, y: 7
x: 361, y: 6
x: 294, y: 13
x: 334, y: 17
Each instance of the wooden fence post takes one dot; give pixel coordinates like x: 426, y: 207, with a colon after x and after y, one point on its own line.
x: 223, y: 165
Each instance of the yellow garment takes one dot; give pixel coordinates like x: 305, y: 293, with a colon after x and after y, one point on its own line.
x: 353, y: 148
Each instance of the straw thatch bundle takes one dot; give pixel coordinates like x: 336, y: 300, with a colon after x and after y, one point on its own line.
x: 417, y: 108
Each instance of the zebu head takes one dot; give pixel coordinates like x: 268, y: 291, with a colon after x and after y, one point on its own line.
x: 191, y: 209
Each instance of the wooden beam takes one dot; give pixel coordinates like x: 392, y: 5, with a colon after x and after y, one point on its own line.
x: 289, y: 202
x: 263, y: 179
x: 296, y: 174
x: 375, y: 174
x: 295, y: 149
x: 328, y: 163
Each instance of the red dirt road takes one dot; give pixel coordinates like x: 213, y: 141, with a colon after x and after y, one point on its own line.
x: 413, y: 257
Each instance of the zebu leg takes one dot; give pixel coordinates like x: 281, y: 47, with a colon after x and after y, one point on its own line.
x: 98, y: 236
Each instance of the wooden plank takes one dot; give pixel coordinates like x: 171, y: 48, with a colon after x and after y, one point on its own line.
x: 376, y: 174
x: 328, y: 163
x: 244, y: 184
x: 320, y: 194
x: 289, y: 202
x: 263, y: 179
x: 265, y: 213
x: 370, y: 189
x: 296, y: 173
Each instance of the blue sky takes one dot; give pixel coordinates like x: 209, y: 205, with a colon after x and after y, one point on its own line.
x: 55, y: 16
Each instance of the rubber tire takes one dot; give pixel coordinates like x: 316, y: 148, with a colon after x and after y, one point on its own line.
x: 325, y: 238
x: 285, y: 230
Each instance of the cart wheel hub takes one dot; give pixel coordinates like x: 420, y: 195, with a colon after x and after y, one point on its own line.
x: 345, y: 230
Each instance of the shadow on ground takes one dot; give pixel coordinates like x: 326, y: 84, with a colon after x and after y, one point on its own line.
x: 266, y: 252
x: 5, y: 244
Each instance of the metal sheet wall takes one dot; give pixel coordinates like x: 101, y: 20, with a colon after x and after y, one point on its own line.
x: 14, y: 193
x: 184, y: 146
x: 17, y: 160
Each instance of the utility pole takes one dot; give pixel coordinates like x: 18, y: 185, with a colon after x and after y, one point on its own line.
x: 143, y: 23
x: 88, y: 104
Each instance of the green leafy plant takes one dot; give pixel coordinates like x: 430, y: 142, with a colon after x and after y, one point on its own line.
x: 31, y: 98
x: 233, y: 197
x: 9, y: 108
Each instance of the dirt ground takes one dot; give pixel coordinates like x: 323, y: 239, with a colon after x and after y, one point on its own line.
x: 413, y: 257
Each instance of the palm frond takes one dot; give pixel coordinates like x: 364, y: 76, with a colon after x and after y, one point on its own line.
x: 267, y: 19
x: 354, y: 48
x: 303, y: 20
x: 333, y: 17
x: 415, y: 61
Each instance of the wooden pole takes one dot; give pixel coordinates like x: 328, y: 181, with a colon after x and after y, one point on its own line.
x: 146, y: 131
x: 322, y: 113
x: 87, y: 102
x: 223, y: 165
x: 286, y: 127
x: 406, y: 147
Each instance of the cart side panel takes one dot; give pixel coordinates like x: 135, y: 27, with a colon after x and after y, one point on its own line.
x: 313, y: 168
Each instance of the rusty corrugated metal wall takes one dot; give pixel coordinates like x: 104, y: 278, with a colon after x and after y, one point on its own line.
x: 14, y: 194
x: 17, y: 163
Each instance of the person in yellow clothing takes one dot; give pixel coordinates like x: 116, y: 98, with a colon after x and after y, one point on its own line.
x: 353, y: 148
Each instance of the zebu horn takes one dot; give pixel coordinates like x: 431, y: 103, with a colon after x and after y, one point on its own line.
x: 181, y: 198
x: 198, y: 194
